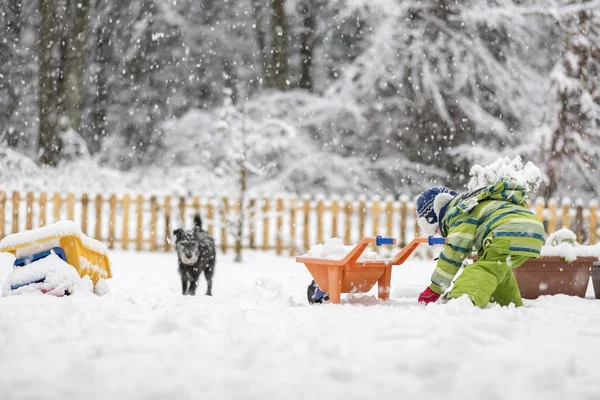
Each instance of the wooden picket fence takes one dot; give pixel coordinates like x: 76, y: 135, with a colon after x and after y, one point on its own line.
x: 286, y: 225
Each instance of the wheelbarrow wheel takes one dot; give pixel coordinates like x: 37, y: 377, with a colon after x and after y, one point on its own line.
x: 315, y: 294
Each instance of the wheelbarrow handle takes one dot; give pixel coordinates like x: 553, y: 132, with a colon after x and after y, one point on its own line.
x: 431, y: 240
x: 379, y: 240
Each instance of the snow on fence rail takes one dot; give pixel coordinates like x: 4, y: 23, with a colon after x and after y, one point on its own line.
x: 292, y: 225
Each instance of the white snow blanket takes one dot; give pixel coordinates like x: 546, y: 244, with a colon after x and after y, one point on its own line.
x: 257, y: 338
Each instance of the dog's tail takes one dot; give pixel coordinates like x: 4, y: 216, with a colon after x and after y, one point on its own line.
x: 198, y: 221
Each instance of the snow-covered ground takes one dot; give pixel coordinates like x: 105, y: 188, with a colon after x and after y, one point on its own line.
x: 257, y: 338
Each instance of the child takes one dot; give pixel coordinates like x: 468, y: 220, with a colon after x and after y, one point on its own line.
x: 494, y: 222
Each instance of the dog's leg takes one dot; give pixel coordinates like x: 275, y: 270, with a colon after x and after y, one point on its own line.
x: 208, y: 273
x: 193, y: 286
x: 184, y: 285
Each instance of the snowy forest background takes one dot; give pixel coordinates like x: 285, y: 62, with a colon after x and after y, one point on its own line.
x: 378, y: 97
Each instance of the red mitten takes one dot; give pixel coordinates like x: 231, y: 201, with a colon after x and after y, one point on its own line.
x: 428, y: 296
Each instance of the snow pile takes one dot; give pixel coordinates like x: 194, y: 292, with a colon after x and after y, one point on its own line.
x: 563, y: 243
x: 529, y: 175
x: 57, y: 229
x: 335, y: 249
x: 49, y: 275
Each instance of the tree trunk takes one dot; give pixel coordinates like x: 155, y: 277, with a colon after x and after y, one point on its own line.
x: 307, y: 38
x: 75, y: 67
x: 49, y: 143
x: 279, y: 42
x: 10, y: 22
x: 263, y: 52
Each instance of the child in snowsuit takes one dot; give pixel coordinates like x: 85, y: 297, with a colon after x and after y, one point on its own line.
x: 494, y: 222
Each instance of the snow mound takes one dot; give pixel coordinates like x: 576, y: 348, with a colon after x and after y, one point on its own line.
x: 49, y: 275
x: 335, y: 249
x: 529, y: 175
x: 563, y: 243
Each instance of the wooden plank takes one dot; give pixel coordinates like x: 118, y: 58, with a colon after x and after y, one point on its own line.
x: 2, y: 211
x: 196, y: 204
x: 153, y: 219
x: 579, y: 223
x: 320, y: 213
x: 181, y: 213
x: 71, y: 207
x: 252, y: 223
x: 56, y: 199
x: 292, y: 226
x: 29, y: 211
x: 112, y: 221
x: 552, y: 219
x: 98, y: 204
x: 266, y: 220
x: 167, y: 240
x: 210, y: 210
x: 279, y: 233
x: 593, y: 223
x: 335, y: 210
x: 125, y: 230
x: 566, y: 209
x: 375, y: 213
x: 403, y: 222
x: 389, y: 217
x: 306, y: 223
x: 224, y: 216
x: 43, y: 209
x: 348, y: 222
x: 139, y: 239
x: 15, y: 212
x: 84, y: 213
x: 362, y: 213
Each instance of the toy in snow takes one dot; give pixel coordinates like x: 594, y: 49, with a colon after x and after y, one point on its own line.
x: 332, y: 277
x: 49, y: 249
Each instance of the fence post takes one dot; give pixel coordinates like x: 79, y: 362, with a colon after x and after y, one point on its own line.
x: 210, y: 210
x: 125, y: 230
x: 71, y: 206
x: 403, y: 218
x: 539, y: 209
x: 15, y: 212
x: 579, y: 222
x: 167, y: 242
x: 195, y: 205
x: 320, y: 212
x: 153, y: 212
x: 566, y: 208
x: 335, y: 209
x: 84, y: 213
x: 112, y: 221
x: 292, y: 226
x: 375, y: 213
x: 29, y: 211
x: 2, y: 209
x: 348, y: 221
x: 389, y: 216
x: 279, y: 240
x: 362, y: 212
x: 43, y: 206
x: 593, y: 223
x: 224, y: 224
x: 552, y: 216
x: 139, y: 237
x: 182, y: 211
x: 306, y: 223
x: 57, y: 205
x: 99, y: 202
x: 266, y: 209
x: 252, y: 223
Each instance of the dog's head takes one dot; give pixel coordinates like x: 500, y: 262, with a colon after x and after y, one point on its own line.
x: 187, y: 244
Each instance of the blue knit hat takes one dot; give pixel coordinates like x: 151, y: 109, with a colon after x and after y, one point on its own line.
x: 426, y: 200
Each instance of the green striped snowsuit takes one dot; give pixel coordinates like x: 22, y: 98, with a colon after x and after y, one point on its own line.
x: 494, y: 222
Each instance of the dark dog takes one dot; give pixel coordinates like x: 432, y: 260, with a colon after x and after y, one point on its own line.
x: 196, y: 253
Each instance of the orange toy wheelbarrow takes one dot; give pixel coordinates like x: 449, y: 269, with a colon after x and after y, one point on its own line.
x: 351, y: 275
